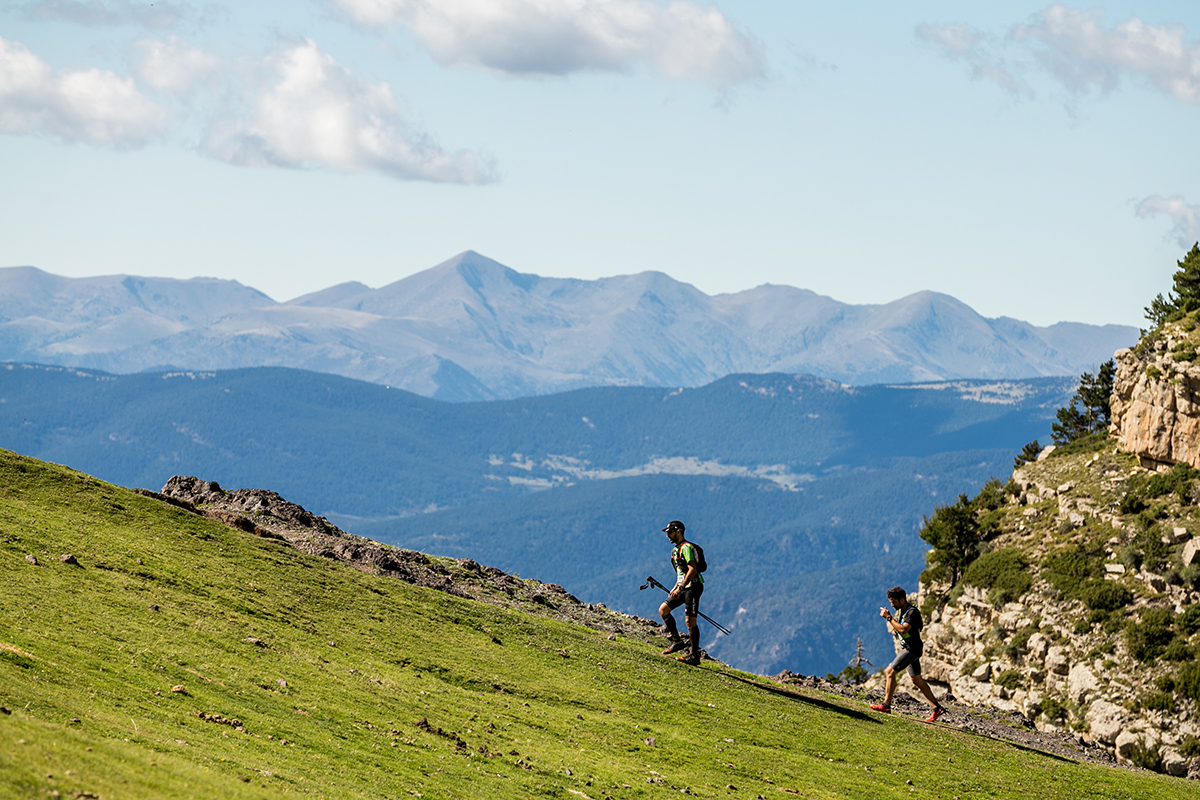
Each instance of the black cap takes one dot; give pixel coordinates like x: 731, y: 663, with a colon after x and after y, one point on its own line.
x: 673, y: 525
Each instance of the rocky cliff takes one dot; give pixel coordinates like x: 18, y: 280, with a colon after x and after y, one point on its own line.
x: 1085, y: 614
x: 1156, y: 397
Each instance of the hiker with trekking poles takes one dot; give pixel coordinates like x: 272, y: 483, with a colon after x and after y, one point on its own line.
x: 689, y: 585
x: 905, y: 625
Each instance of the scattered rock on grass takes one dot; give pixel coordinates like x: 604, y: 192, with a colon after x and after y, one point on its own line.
x: 67, y: 558
x: 32, y: 559
x: 179, y: 689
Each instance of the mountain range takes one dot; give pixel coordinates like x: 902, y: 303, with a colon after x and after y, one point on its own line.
x: 473, y: 329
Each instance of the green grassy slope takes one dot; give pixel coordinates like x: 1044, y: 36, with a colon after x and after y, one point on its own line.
x: 361, y: 686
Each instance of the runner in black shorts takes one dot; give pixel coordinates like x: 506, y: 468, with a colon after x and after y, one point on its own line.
x: 689, y: 585
x: 906, y: 626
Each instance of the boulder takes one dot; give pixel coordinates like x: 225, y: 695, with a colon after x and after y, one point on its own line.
x: 1066, y: 487
x: 1105, y: 721
x: 1155, y: 582
x: 1126, y: 741
x: 1042, y: 456
x: 972, y: 693
x: 1114, y: 569
x: 1057, y: 660
x: 1191, y: 552
x: 1082, y: 683
x: 934, y: 669
x: 1037, y: 647
x: 1012, y: 620
x: 1174, y: 762
x: 983, y: 673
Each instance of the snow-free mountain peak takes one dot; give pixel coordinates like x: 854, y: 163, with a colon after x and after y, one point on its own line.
x: 473, y: 328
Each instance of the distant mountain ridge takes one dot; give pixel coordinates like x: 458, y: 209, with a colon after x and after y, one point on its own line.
x: 473, y: 329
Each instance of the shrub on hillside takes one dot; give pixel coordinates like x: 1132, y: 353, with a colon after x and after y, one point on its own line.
x: 1158, y: 701
x: 1084, y: 445
x: 1189, y: 621
x: 1178, y: 650
x: 1051, y: 708
x: 1067, y: 570
x: 1148, y: 638
x: 1101, y: 595
x: 1010, y: 679
x: 1187, y: 681
x: 1004, y: 573
x: 1146, y: 756
x: 1190, y: 575
x: 1189, y: 747
x: 1179, y: 480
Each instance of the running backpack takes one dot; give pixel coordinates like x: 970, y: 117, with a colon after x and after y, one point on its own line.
x: 701, y: 564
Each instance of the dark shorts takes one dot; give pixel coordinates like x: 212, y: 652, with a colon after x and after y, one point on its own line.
x: 689, y: 598
x: 908, y: 659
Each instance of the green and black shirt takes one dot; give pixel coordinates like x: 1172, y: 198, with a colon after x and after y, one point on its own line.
x: 681, y: 556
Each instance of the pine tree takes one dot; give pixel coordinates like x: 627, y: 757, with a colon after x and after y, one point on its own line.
x: 1187, y: 278
x: 1028, y: 453
x: 1186, y: 295
x: 953, y: 532
x: 1090, y: 409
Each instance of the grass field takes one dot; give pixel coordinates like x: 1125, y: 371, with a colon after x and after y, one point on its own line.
x: 179, y: 658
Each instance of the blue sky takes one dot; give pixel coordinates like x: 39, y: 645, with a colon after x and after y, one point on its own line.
x: 1034, y: 160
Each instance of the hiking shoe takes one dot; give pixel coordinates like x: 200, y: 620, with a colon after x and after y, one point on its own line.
x: 933, y: 715
x: 674, y: 647
x: 691, y: 659
x: 882, y: 708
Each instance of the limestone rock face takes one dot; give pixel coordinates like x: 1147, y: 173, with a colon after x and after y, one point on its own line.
x: 1081, y: 683
x: 1156, y: 402
x: 1106, y: 721
x: 1057, y: 660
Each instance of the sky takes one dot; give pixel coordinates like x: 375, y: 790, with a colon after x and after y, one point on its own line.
x: 1034, y: 160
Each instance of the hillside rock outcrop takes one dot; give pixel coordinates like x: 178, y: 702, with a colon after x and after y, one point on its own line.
x: 1054, y: 655
x: 1156, y: 398
x: 266, y: 514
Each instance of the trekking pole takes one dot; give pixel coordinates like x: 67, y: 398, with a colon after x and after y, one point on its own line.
x: 651, y: 582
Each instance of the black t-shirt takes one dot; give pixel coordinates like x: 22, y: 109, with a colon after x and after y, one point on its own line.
x: 911, y: 640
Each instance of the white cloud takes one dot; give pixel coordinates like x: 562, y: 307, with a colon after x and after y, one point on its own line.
x: 1081, y: 53
x: 97, y: 13
x: 173, y: 66
x: 90, y: 105
x: 310, y: 111
x: 959, y: 42
x: 554, y: 37
x: 1185, y: 218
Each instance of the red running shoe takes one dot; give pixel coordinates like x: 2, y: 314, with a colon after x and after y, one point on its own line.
x: 883, y: 708
x: 674, y: 647
x: 933, y: 715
